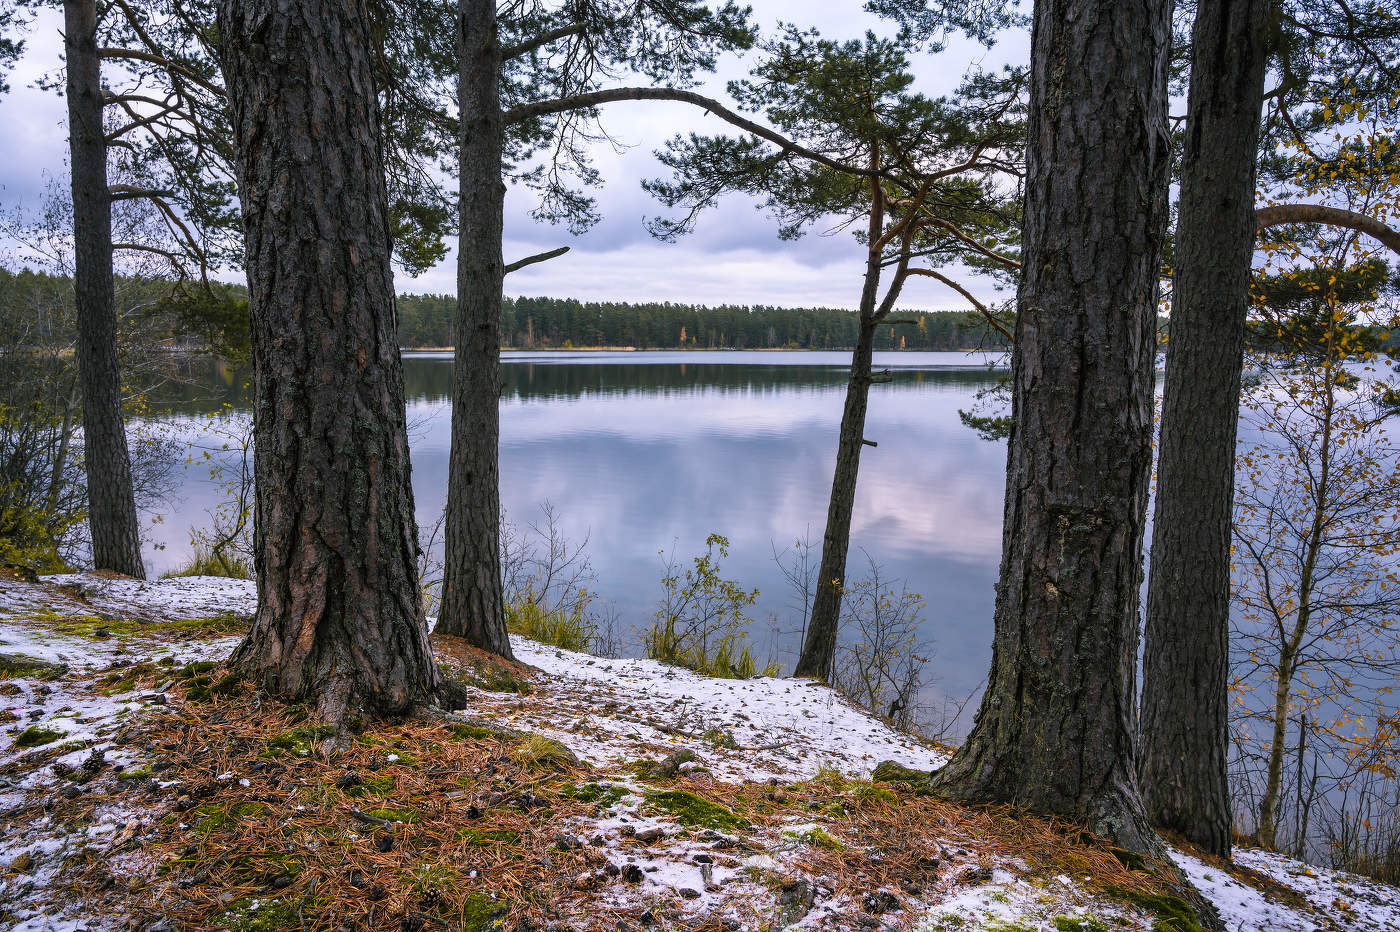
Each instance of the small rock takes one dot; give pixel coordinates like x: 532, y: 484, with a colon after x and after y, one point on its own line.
x: 704, y: 859
x: 566, y: 842
x: 797, y: 901
x: 384, y: 842
x: 21, y: 864
x: 647, y: 918
x: 72, y: 791
x: 650, y: 835
x: 688, y: 893
x: 867, y: 921
x: 282, y: 881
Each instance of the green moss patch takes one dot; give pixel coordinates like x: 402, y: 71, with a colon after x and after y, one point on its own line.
x: 371, y: 787
x: 1079, y: 924
x: 215, y: 817
x: 477, y: 733
x: 225, y: 685
x: 394, y: 815
x: 1173, y: 914
x: 299, y: 742
x: 593, y: 793
x: 24, y: 665
x: 262, y: 915
x: 91, y: 626
x: 135, y: 773
x: 481, y: 912
x: 485, y: 838
x: 36, y: 736
x: 689, y: 809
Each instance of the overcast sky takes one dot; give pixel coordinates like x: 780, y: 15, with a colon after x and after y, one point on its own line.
x: 733, y: 257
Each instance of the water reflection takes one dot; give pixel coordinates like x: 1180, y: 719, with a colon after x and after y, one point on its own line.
x: 645, y: 452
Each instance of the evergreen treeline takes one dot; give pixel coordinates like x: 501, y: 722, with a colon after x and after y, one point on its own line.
x: 563, y: 323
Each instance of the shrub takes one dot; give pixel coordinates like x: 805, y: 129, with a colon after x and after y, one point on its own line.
x: 700, y: 623
x: 209, y: 562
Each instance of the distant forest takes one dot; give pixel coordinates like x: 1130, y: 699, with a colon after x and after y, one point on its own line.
x: 38, y: 306
x: 564, y: 323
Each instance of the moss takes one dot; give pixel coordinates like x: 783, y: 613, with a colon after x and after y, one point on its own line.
x: 482, y: 912
x: 866, y: 794
x: 1129, y: 859
x: 135, y: 773
x: 199, y: 668
x: 299, y: 741
x: 482, y: 838
x: 594, y: 793
x: 92, y: 626
x: 225, y: 685
x: 34, y: 736
x: 213, y: 817
x: 264, y: 867
x: 890, y: 772
x: 394, y: 815
x: 1078, y: 924
x: 24, y: 665
x: 371, y: 786
x: 262, y: 915
x: 474, y: 733
x: 818, y: 837
x: 1173, y: 914
x: 689, y: 809
x: 541, y: 753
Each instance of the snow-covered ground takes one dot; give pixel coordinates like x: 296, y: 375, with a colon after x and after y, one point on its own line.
x: 612, y: 713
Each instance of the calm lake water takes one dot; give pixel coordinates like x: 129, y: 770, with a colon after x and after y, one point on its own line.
x: 648, y: 452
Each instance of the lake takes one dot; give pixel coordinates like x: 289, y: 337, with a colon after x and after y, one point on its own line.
x: 644, y: 453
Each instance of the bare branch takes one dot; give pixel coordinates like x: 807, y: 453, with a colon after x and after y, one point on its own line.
x: 519, y: 264
x: 529, y: 45
x: 1280, y: 214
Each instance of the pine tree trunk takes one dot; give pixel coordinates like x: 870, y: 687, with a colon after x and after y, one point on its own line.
x: 819, y: 648
x: 116, y: 539
x: 340, y: 616
x: 1056, y: 732
x: 472, y: 598
x: 1186, y: 662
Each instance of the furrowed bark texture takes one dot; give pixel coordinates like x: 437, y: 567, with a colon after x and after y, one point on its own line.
x: 116, y: 539
x: 819, y: 649
x: 1055, y: 731
x: 1184, y: 721
x: 340, y: 615
x: 472, y: 599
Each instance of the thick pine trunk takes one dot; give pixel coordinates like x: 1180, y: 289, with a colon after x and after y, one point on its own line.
x: 1056, y: 731
x: 819, y: 649
x: 1184, y: 724
x: 116, y: 539
x: 340, y: 616
x: 472, y: 598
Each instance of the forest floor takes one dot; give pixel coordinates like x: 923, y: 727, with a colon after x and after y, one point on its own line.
x: 142, y: 787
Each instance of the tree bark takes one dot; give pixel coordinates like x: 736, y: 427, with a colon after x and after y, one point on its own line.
x: 1186, y: 661
x: 1055, y: 732
x: 340, y: 616
x: 473, y: 603
x: 819, y: 647
x: 116, y: 538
